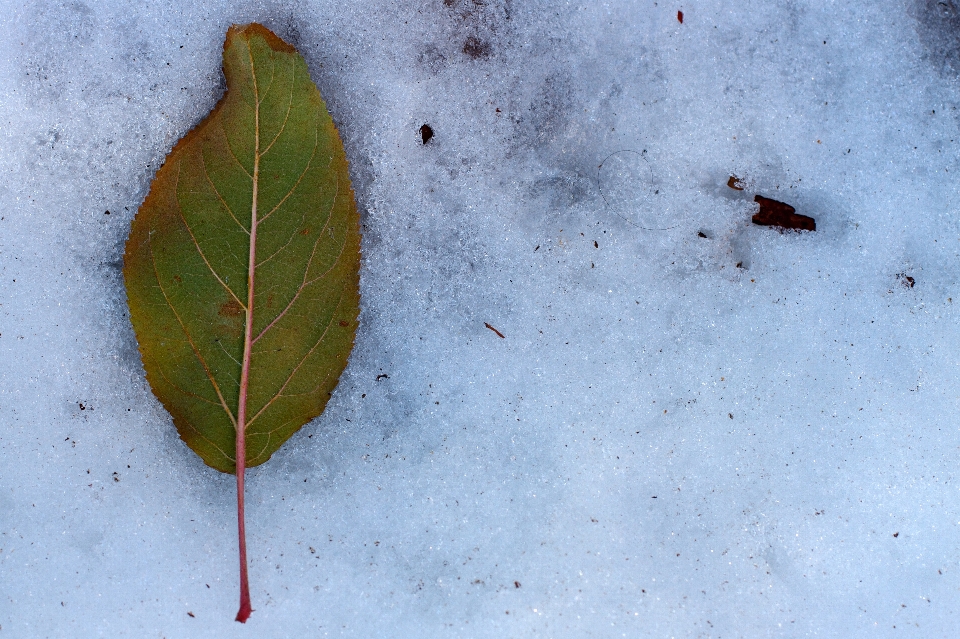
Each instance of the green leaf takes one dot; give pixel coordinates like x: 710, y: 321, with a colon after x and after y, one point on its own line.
x: 242, y: 266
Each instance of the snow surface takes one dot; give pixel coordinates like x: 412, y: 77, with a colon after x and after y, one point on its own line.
x: 663, y: 445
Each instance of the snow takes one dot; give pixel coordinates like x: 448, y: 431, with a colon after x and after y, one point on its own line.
x: 664, y: 444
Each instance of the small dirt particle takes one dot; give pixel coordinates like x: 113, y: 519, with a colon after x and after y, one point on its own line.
x: 426, y: 132
x: 476, y: 48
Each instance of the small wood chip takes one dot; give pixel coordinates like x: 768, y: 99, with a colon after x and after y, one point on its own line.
x: 780, y: 214
x: 499, y: 334
x: 735, y: 183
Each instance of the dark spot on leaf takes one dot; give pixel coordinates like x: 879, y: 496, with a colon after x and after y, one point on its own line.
x: 426, y: 133
x: 344, y: 323
x: 680, y: 16
x: 177, y: 279
x: 735, y: 183
x: 230, y: 309
x: 305, y: 232
x: 476, y: 48
x: 780, y: 214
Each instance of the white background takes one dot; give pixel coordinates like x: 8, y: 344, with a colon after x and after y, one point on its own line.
x: 663, y: 445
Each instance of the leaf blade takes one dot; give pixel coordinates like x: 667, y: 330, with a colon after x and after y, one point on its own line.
x: 270, y: 134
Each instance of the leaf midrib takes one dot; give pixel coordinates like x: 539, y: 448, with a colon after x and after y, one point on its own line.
x: 239, y: 419
x: 251, y: 273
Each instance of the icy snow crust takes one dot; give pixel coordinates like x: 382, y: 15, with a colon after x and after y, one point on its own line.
x: 663, y: 445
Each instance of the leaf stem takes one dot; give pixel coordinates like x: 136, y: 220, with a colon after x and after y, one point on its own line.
x: 244, y: 613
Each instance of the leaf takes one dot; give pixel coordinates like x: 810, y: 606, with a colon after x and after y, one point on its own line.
x: 242, y: 265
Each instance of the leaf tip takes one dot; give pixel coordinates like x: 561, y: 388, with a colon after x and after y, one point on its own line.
x: 247, y: 31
